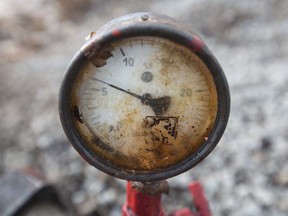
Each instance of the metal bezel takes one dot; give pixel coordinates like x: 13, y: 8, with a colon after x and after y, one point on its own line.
x: 132, y: 26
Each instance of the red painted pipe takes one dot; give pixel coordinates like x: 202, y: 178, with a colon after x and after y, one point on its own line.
x: 199, y: 199
x: 141, y: 204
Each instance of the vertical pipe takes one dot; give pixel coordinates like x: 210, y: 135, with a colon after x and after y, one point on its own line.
x: 141, y: 204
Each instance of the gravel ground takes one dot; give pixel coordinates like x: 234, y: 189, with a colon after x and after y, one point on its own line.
x: 246, y: 175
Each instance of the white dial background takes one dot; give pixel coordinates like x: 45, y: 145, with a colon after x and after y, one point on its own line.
x: 123, y: 123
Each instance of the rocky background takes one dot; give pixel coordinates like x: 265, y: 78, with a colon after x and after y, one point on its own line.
x: 246, y: 175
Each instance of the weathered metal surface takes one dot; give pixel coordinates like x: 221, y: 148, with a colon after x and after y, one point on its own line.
x: 131, y: 136
x: 151, y: 188
x: 145, y: 200
x: 92, y: 145
x: 19, y: 190
x: 16, y: 188
x: 142, y: 204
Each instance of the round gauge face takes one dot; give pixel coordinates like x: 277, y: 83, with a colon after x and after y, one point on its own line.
x: 144, y: 103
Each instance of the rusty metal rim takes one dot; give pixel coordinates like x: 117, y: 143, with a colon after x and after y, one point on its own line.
x: 155, y: 29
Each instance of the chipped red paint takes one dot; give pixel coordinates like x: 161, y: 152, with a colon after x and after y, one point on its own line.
x: 196, y: 43
x: 141, y: 204
x: 199, y: 199
x: 116, y: 33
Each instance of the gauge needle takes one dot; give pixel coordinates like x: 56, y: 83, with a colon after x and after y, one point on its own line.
x: 159, y: 105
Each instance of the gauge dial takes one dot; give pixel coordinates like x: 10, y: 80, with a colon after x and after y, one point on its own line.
x: 143, y: 102
x: 151, y: 104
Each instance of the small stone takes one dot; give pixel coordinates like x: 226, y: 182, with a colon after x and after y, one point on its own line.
x: 78, y: 197
x: 281, y: 179
x: 266, y: 144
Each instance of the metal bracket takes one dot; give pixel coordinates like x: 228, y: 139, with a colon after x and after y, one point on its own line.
x: 20, y: 190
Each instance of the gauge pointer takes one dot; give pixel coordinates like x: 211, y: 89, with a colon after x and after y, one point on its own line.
x: 158, y: 105
x: 120, y: 89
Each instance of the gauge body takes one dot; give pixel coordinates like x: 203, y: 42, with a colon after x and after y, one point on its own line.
x: 144, y: 99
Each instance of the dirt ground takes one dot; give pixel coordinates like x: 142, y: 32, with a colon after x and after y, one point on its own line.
x: 246, y: 175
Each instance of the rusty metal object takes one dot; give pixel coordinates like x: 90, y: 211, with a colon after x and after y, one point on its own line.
x: 145, y: 199
x: 157, y: 150
x: 142, y: 204
x: 151, y: 188
x: 19, y: 190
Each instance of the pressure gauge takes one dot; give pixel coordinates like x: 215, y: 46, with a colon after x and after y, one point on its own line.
x: 144, y: 99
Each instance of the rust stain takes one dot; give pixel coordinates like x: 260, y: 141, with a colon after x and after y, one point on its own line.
x: 100, y: 58
x: 161, y: 129
x: 146, y: 142
x: 78, y: 115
